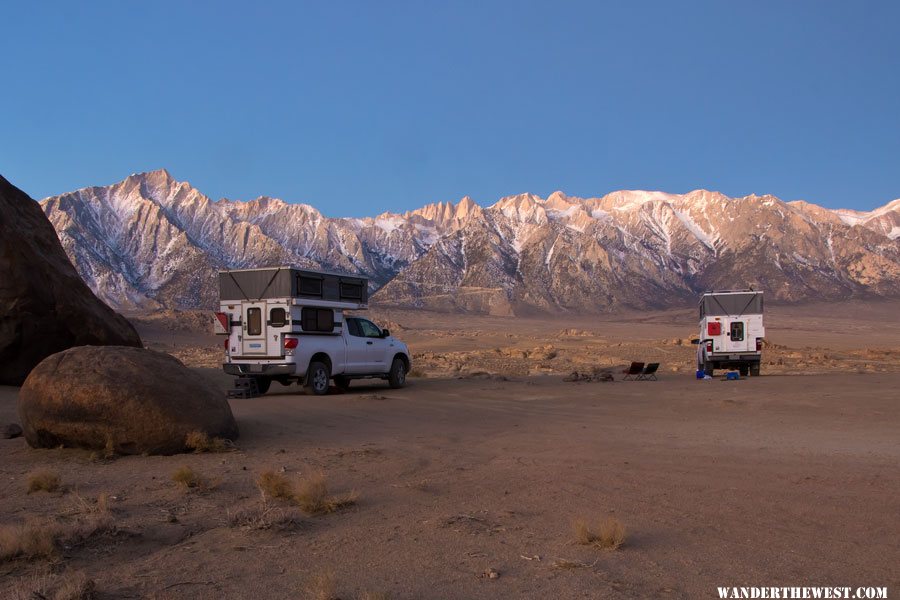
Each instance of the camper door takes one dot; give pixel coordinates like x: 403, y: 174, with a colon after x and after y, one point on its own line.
x: 254, y: 330
x: 735, y: 335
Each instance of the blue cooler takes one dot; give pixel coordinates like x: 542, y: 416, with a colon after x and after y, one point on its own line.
x: 732, y: 375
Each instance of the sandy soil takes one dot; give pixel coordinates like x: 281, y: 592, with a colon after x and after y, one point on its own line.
x: 776, y: 480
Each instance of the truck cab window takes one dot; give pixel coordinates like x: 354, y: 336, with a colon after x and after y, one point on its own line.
x: 362, y: 328
x: 277, y: 317
x: 369, y: 329
x: 254, y: 321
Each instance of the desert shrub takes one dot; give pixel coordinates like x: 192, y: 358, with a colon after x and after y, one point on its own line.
x: 275, y: 485
x: 199, y: 441
x: 609, y: 533
x: 35, y: 538
x: 262, y: 516
x: 189, y: 479
x: 71, y: 585
x: 321, y: 586
x: 75, y: 586
x: 309, y: 493
x: 42, y: 480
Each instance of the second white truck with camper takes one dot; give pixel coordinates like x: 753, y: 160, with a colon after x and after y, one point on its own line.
x: 731, y: 332
x: 288, y: 325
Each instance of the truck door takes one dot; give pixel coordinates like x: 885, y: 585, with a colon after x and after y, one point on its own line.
x: 253, y: 327
x: 357, y: 348
x: 377, y: 345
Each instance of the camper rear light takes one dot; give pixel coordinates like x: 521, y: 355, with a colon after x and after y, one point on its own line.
x: 759, y: 344
x: 709, y: 347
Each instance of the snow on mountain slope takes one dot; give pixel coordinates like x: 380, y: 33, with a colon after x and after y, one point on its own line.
x: 153, y: 241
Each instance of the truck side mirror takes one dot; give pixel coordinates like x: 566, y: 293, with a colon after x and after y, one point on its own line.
x: 385, y: 333
x: 695, y: 341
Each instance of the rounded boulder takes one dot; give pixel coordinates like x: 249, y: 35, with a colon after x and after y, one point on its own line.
x: 128, y: 400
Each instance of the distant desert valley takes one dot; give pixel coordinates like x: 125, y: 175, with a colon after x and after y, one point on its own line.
x: 509, y: 466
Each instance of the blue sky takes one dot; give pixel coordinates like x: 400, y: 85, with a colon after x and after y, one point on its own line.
x: 362, y: 107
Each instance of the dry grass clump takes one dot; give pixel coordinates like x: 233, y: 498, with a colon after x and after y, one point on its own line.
x: 39, y: 538
x: 189, y: 480
x: 609, y: 534
x: 199, y: 441
x: 321, y: 586
x: 76, y: 586
x: 73, y: 585
x: 36, y: 538
x: 275, y: 485
x: 42, y: 480
x: 89, y: 506
x: 263, y: 517
x: 309, y: 493
x: 414, y: 372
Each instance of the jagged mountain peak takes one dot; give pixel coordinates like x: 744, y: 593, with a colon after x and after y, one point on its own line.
x: 150, y: 240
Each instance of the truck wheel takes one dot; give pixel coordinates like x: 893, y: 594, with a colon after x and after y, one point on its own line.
x: 754, y: 370
x: 397, y: 374
x: 342, y: 382
x: 744, y: 370
x: 708, y: 368
x: 262, y: 384
x: 317, y: 378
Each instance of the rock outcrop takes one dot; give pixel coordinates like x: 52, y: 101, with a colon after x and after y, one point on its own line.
x: 125, y: 400
x: 45, y: 306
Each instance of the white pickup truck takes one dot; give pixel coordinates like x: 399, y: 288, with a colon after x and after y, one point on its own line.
x: 288, y: 325
x: 731, y: 332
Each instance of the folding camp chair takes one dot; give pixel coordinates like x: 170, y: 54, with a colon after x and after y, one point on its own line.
x: 635, y: 369
x: 649, y: 373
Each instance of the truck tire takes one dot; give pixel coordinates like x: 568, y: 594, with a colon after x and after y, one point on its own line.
x: 342, y: 382
x: 744, y: 370
x: 317, y: 378
x: 262, y: 384
x: 708, y: 368
x: 754, y: 370
x: 397, y: 374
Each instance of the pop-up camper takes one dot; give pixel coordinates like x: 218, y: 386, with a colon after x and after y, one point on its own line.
x: 731, y: 331
x: 288, y: 325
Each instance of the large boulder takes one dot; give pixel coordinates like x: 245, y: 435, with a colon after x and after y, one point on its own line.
x: 129, y: 400
x: 45, y: 306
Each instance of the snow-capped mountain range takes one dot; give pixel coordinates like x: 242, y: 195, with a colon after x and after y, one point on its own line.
x: 152, y: 241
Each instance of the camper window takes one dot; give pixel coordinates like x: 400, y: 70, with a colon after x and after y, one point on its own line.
x: 351, y: 291
x: 277, y: 317
x: 737, y: 331
x: 254, y: 321
x: 309, y: 286
x: 317, y: 319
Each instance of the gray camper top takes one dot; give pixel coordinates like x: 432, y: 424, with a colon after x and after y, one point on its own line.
x: 742, y: 302
x: 290, y: 282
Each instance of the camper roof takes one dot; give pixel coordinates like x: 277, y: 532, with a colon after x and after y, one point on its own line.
x: 732, y: 302
x: 291, y: 282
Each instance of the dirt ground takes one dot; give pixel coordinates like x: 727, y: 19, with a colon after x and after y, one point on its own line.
x: 486, y: 460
